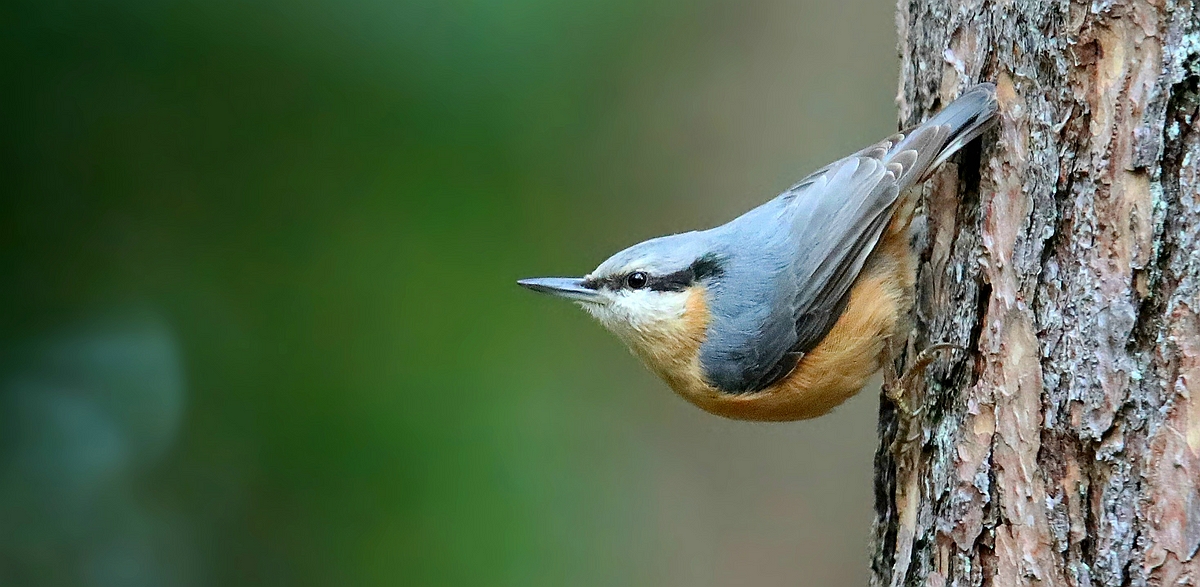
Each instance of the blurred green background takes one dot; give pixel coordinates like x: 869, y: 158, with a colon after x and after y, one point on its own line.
x: 260, y: 324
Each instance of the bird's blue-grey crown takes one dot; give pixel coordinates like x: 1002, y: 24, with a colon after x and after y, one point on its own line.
x: 659, y: 257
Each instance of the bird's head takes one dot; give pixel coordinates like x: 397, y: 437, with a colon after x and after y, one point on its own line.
x: 651, y: 295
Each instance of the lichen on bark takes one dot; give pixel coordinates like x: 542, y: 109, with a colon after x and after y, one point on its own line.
x: 1064, y: 448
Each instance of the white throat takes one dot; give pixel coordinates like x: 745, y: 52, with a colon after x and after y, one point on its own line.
x: 638, y: 316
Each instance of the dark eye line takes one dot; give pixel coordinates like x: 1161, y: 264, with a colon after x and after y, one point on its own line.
x: 678, y: 281
x: 703, y: 268
x: 600, y: 282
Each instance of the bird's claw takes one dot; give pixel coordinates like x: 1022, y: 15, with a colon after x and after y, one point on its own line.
x: 899, y: 391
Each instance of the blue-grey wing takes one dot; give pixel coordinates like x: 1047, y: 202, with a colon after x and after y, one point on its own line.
x: 793, y: 261
x: 839, y: 218
x: 852, y: 201
x: 791, y: 268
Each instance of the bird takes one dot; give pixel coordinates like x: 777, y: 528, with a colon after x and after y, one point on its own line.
x: 786, y: 311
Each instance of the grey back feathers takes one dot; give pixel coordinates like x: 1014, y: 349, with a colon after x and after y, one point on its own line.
x: 784, y: 270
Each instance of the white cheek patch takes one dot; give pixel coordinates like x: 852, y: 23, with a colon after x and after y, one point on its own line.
x: 645, y: 307
x: 639, y: 311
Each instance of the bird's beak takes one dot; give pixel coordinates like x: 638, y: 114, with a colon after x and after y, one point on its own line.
x: 571, y: 288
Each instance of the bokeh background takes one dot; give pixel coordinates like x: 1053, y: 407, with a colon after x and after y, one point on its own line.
x: 259, y: 325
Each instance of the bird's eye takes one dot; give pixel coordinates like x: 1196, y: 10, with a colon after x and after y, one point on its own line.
x: 637, y: 280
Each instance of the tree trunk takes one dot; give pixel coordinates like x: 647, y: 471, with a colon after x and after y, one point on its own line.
x: 1064, y: 253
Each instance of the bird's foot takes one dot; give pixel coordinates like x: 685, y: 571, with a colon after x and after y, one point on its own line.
x: 900, y: 390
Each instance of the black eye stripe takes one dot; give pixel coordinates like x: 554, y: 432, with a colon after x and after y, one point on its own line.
x: 611, y: 282
x: 677, y: 281
x: 706, y: 266
x: 703, y: 268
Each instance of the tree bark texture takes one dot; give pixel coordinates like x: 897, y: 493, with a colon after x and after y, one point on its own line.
x: 1064, y: 253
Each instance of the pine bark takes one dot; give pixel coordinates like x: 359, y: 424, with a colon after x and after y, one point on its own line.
x: 1064, y: 253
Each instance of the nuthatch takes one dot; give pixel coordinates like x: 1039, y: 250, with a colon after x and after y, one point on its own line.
x: 784, y: 312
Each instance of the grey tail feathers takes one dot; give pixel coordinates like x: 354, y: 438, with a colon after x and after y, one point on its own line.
x: 963, y: 120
